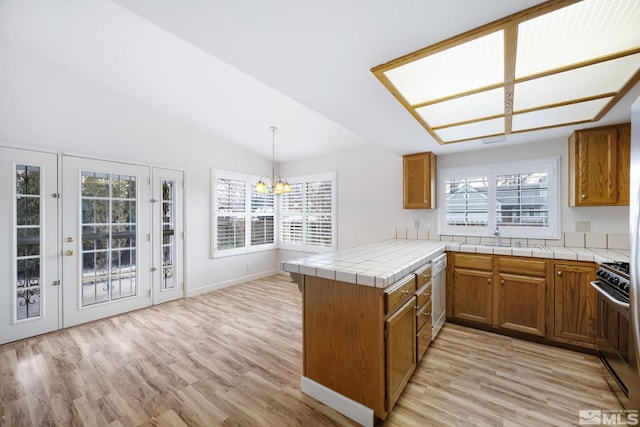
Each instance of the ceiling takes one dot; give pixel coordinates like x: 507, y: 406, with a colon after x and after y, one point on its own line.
x: 234, y: 68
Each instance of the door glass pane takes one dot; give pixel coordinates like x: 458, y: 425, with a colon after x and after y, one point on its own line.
x: 168, y: 235
x: 28, y: 227
x: 108, y: 237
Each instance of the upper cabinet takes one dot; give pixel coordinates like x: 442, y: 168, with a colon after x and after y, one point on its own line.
x: 419, y: 181
x: 599, y: 163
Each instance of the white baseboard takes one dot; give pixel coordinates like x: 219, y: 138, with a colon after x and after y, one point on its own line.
x: 347, y: 407
x: 236, y: 281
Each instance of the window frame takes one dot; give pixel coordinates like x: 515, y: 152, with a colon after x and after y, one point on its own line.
x: 551, y: 165
x: 329, y: 176
x: 250, y: 182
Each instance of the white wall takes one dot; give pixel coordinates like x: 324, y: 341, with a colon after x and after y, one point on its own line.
x: 45, y: 106
x: 369, y: 194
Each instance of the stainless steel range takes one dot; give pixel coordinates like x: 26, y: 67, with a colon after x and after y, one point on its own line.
x: 614, y: 338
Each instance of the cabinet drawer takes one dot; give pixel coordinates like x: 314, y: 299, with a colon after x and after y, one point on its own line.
x: 423, y: 339
x: 423, y: 274
x: 474, y: 262
x: 423, y: 315
x: 424, y: 295
x: 399, y: 293
x: 522, y: 266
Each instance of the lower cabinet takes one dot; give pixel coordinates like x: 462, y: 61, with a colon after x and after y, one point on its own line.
x: 575, y: 303
x: 521, y: 295
x: 400, y: 349
x: 545, y: 298
x: 472, y: 280
x: 360, y: 341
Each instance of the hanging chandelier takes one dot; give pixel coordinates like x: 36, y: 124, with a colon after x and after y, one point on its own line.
x: 279, y: 185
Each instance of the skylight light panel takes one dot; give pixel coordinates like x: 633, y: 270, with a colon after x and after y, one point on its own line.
x: 582, y: 31
x: 479, y: 105
x: 573, y: 113
x: 468, y: 66
x: 472, y: 130
x: 595, y: 80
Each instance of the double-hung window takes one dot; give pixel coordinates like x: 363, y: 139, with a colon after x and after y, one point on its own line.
x: 520, y: 199
x: 308, y: 214
x: 243, y: 220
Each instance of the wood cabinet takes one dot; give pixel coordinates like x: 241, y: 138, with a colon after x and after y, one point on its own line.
x: 419, y: 181
x: 545, y: 298
x: 360, y: 341
x: 472, y: 287
x: 575, y: 303
x: 423, y: 311
x: 599, y: 164
x: 400, y: 344
x: 521, y: 295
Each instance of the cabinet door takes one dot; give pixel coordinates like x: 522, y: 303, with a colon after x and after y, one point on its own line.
x: 521, y: 303
x: 400, y: 349
x: 595, y: 163
x: 472, y: 295
x: 419, y: 181
x: 575, y: 303
x: 624, y: 163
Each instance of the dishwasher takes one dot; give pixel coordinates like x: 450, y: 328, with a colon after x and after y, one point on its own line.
x: 438, y: 293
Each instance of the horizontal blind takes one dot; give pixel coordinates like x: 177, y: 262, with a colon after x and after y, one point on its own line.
x: 467, y: 201
x: 230, y: 213
x: 292, y: 215
x: 262, y: 218
x: 522, y: 199
x: 318, y: 207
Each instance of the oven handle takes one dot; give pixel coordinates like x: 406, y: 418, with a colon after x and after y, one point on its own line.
x: 609, y: 297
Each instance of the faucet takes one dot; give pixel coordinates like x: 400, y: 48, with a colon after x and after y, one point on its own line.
x: 496, y: 233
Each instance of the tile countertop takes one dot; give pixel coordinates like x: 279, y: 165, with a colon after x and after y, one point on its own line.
x: 383, y: 263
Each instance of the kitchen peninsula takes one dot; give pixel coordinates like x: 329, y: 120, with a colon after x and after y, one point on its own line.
x: 362, y: 312
x: 360, y: 324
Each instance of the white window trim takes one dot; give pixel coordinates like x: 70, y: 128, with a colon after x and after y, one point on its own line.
x: 329, y: 176
x: 491, y: 170
x: 250, y: 181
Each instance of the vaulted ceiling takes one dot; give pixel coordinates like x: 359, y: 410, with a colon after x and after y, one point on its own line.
x: 234, y: 68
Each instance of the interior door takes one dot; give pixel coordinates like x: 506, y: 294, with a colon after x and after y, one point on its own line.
x: 167, y: 235
x: 29, y: 291
x: 106, y: 240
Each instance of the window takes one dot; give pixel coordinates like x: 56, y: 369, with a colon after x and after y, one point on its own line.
x: 308, y: 213
x: 521, y: 199
x: 243, y: 220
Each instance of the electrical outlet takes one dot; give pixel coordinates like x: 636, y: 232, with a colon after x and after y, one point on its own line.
x: 416, y: 223
x: 583, y: 226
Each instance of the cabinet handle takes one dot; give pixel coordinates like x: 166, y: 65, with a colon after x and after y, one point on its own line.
x: 584, y: 196
x: 427, y: 295
x: 560, y: 273
x: 502, y: 282
x: 488, y: 280
x: 427, y: 314
x: 405, y: 292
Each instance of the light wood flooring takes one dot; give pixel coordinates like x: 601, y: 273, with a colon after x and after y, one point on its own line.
x: 233, y: 358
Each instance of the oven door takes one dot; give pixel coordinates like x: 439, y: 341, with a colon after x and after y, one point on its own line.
x: 612, y: 340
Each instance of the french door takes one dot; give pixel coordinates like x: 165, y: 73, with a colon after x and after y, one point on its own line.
x: 83, y: 239
x: 29, y: 285
x: 167, y: 237
x: 106, y: 239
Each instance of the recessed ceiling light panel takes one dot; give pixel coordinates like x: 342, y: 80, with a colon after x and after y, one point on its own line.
x: 555, y: 64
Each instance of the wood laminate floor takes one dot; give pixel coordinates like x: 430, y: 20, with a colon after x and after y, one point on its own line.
x: 233, y: 358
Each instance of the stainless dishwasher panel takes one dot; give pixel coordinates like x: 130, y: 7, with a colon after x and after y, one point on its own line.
x: 438, y: 293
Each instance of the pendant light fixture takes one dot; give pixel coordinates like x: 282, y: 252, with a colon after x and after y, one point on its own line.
x: 279, y: 185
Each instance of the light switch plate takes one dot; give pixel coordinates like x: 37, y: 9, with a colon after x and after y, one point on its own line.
x: 583, y: 226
